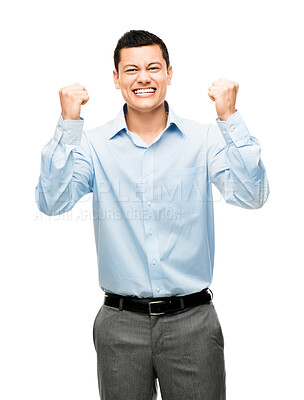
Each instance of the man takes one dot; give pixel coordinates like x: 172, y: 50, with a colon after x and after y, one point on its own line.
x: 150, y: 172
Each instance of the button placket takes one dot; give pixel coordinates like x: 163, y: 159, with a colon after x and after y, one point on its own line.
x: 149, y: 215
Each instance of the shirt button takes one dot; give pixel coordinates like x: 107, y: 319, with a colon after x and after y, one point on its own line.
x: 224, y: 132
x: 158, y: 289
x: 154, y: 262
x: 69, y: 131
x: 60, y: 129
x: 150, y: 232
x: 149, y: 203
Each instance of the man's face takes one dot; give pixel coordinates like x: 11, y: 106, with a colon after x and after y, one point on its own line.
x: 143, y: 68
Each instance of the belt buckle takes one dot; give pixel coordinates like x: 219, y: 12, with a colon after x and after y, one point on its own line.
x: 149, y: 304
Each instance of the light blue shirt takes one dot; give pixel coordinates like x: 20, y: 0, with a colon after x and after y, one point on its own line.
x: 152, y: 204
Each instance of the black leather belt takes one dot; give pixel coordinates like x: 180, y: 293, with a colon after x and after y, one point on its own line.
x: 158, y: 305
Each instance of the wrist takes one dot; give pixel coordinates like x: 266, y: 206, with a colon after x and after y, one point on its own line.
x: 224, y: 117
x: 69, y: 117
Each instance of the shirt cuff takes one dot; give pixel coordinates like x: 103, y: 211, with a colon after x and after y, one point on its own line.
x: 69, y: 131
x: 234, y: 129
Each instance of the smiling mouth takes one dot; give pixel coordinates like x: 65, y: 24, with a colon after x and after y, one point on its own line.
x: 144, y: 92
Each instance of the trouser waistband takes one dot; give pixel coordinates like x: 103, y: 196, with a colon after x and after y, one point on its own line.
x: 158, y: 305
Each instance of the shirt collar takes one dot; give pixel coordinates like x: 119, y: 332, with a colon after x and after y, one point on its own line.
x: 119, y: 123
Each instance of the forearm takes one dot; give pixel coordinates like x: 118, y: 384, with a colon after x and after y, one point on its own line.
x: 246, y: 183
x: 241, y: 175
x: 60, y: 184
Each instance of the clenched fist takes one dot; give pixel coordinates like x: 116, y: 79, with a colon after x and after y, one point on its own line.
x: 72, y: 97
x: 224, y: 92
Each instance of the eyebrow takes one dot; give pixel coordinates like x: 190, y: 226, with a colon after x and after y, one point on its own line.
x: 133, y: 65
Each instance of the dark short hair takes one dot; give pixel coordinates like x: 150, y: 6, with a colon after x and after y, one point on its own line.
x: 139, y: 38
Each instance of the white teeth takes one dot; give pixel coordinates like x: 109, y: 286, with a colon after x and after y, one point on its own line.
x: 139, y: 91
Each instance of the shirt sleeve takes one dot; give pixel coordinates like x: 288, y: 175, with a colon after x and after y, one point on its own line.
x: 234, y: 163
x: 66, y: 172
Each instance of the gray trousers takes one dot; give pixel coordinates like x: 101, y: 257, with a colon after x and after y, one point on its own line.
x: 183, y: 350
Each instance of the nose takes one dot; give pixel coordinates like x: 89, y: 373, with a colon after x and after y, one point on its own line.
x: 143, y: 77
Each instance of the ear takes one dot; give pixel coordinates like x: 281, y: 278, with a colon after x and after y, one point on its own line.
x: 169, y: 75
x: 116, y: 79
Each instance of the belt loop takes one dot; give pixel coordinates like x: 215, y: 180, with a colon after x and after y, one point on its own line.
x: 120, y: 303
x: 182, y: 303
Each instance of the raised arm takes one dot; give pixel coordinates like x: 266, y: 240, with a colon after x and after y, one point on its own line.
x: 66, y: 172
x: 234, y: 163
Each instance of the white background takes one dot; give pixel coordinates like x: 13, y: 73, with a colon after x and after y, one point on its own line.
x: 49, y: 283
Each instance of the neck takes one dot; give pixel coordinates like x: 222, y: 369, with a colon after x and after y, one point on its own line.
x: 147, y: 123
